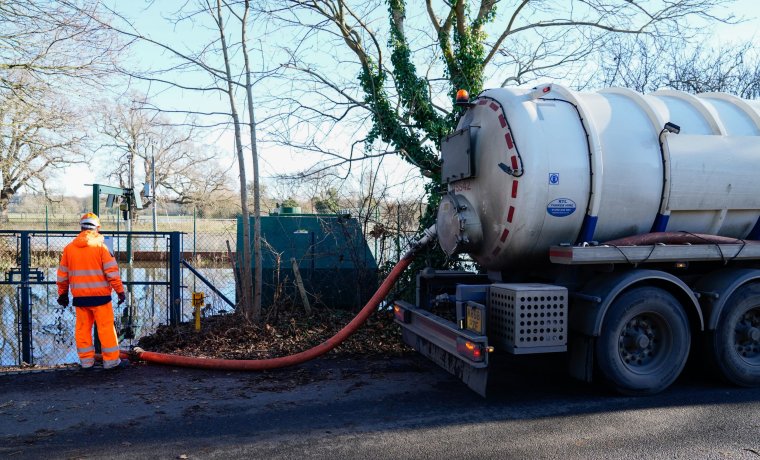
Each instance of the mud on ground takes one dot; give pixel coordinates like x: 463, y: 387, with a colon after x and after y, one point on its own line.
x: 284, y: 331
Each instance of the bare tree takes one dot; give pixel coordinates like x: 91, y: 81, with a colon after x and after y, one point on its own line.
x: 214, y: 64
x: 187, y: 172
x: 731, y: 69
x: 257, y: 260
x: 249, y: 307
x: 220, y: 205
x: 55, y: 43
x: 647, y: 65
x: 35, y: 139
x: 50, y: 58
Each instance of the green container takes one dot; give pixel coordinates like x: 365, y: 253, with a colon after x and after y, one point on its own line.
x: 333, y: 259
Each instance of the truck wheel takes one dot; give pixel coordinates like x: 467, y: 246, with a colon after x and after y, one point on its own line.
x: 644, y: 342
x: 735, y: 342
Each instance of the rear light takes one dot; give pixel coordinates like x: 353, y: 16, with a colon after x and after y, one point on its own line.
x: 473, y: 351
x: 401, y: 314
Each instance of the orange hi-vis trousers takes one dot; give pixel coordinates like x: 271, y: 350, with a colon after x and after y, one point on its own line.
x: 102, y: 316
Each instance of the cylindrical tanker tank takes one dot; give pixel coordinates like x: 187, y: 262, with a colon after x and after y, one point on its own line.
x: 531, y: 168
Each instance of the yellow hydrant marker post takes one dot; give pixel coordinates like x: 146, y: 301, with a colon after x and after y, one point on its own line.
x: 198, y: 299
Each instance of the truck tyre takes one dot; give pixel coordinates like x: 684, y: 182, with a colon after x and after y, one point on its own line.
x: 644, y: 342
x: 734, y: 345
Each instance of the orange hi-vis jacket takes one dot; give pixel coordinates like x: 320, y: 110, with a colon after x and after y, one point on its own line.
x: 89, y: 269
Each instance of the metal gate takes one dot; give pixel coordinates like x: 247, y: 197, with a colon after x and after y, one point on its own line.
x: 156, y: 274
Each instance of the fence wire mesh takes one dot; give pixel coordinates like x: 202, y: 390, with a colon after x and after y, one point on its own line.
x: 208, y: 254
x: 206, y: 268
x: 9, y: 343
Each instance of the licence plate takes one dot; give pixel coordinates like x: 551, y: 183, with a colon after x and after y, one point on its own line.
x: 474, y: 318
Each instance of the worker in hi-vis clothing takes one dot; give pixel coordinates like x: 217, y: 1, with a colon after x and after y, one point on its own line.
x: 90, y: 271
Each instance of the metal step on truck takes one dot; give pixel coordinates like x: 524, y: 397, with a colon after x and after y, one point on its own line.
x: 535, y: 178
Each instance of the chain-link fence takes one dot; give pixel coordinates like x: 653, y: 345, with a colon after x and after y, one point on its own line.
x: 159, y: 270
x: 328, y: 257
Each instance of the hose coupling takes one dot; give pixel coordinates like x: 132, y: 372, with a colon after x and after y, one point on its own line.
x: 429, y: 235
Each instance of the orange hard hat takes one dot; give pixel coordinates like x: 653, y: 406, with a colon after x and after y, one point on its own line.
x: 89, y: 220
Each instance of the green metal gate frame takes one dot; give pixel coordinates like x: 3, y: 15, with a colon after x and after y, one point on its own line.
x: 27, y: 278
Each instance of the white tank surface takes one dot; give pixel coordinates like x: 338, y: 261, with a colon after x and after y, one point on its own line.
x: 531, y: 168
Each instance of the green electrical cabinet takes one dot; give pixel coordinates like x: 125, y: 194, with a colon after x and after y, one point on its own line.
x: 333, y: 258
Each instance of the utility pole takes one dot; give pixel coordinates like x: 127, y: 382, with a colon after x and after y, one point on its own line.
x: 153, y: 180
x: 131, y: 186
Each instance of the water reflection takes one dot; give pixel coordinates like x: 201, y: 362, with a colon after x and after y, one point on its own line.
x: 146, y: 308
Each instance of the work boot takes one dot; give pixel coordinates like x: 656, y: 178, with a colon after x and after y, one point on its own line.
x: 124, y: 363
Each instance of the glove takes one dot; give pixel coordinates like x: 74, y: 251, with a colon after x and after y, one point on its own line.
x: 122, y: 297
x: 63, y: 299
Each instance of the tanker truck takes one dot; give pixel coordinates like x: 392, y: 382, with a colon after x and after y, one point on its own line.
x: 615, y: 227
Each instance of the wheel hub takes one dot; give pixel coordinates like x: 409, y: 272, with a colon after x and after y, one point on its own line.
x: 638, y: 343
x: 635, y: 343
x: 747, y: 335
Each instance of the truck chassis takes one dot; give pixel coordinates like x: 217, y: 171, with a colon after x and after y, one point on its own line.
x: 629, y: 315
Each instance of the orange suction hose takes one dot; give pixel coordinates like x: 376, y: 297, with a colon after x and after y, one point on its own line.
x: 298, y: 358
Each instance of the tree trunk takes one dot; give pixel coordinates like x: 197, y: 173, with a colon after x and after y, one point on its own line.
x: 5, y: 199
x: 256, y: 307
x: 245, y: 304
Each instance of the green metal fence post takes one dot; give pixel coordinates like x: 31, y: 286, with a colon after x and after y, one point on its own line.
x: 26, y: 304
x: 96, y: 199
x: 175, y: 278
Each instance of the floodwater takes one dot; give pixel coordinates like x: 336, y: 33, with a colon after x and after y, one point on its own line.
x: 146, y: 308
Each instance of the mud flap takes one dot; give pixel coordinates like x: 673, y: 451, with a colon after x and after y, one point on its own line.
x: 581, y: 354
x: 473, y: 377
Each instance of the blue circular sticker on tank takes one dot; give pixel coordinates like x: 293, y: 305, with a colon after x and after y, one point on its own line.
x: 561, y: 207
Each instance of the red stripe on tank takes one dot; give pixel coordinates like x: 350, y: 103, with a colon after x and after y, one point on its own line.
x: 514, y: 189
x: 483, y: 102
x: 514, y: 163
x: 503, y: 122
x: 511, y: 213
x: 508, y: 138
x: 494, y: 106
x: 496, y: 251
x: 504, y: 235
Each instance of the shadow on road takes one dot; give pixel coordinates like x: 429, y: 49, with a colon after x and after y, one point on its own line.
x: 151, y: 406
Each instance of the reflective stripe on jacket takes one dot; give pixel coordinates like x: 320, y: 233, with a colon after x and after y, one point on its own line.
x: 89, y: 270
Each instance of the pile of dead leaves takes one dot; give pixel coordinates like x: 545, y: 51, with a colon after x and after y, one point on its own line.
x: 286, y: 332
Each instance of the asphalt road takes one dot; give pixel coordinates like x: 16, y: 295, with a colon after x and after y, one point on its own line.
x: 366, y: 409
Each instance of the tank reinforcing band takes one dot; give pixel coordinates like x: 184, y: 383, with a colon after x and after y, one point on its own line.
x: 709, y: 114
x: 589, y: 221
x: 754, y: 116
x: 516, y: 170
x: 737, y: 102
x: 660, y: 223
x: 713, y: 121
